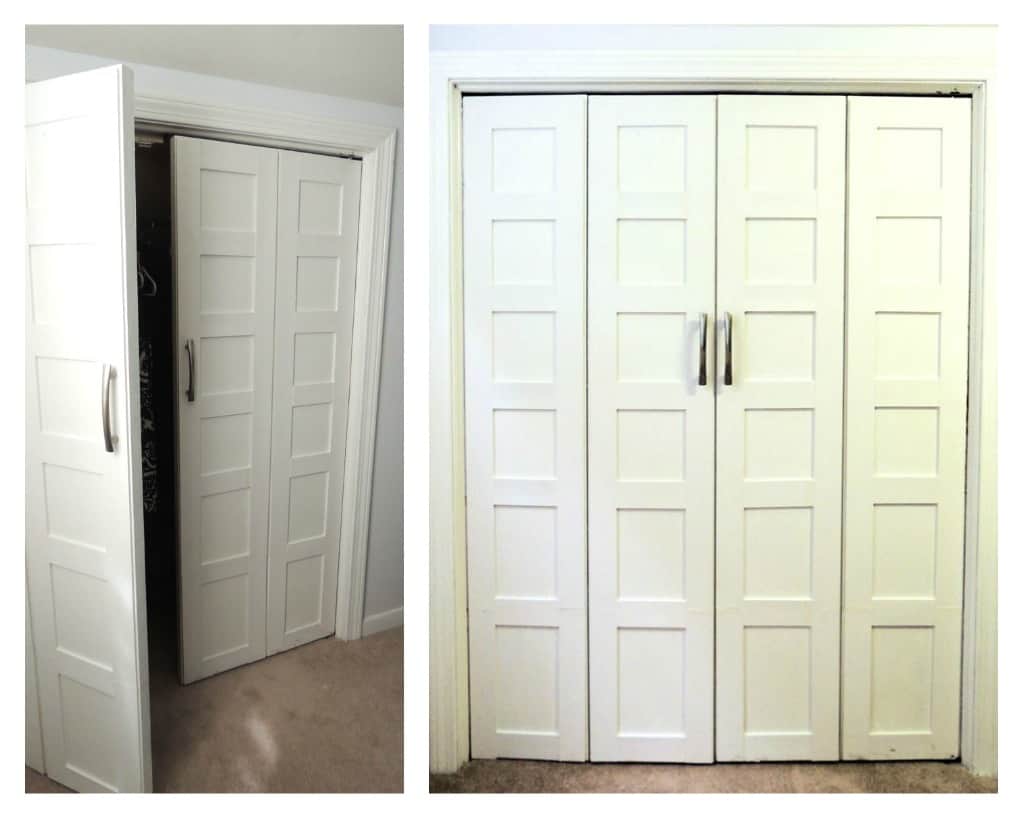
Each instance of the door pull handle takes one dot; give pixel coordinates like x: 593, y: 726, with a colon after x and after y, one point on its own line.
x: 727, y: 376
x: 108, y: 438
x: 702, y: 376
x: 190, y: 391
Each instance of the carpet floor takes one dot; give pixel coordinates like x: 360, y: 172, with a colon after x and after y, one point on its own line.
x: 324, y: 717
x: 516, y: 776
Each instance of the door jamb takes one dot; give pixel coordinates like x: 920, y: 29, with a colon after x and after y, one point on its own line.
x: 456, y: 75
x: 375, y: 146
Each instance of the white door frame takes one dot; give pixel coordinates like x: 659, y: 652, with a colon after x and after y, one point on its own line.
x: 375, y: 146
x: 890, y: 69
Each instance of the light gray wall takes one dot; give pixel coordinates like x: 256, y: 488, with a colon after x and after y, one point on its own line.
x: 353, y: 62
x: 922, y: 40
x: 384, y: 561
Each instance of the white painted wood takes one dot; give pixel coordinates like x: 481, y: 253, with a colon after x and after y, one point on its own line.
x: 84, y: 537
x: 376, y: 146
x: 525, y: 425
x: 781, y: 196
x: 979, y: 700
x: 909, y: 223
x: 898, y: 66
x: 264, y: 126
x: 650, y: 276
x: 317, y: 219
x: 448, y: 622
x: 225, y: 222
x: 375, y: 199
x: 33, y: 721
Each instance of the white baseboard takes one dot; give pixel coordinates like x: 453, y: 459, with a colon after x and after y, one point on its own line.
x: 382, y: 621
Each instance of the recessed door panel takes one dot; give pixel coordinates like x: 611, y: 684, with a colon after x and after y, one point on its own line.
x: 781, y: 189
x: 524, y: 267
x: 650, y: 290
x: 906, y: 426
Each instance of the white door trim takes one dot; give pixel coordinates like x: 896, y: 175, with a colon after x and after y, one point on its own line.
x: 890, y: 69
x: 375, y: 146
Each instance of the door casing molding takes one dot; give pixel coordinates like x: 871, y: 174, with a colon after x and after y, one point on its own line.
x: 375, y: 146
x: 778, y: 70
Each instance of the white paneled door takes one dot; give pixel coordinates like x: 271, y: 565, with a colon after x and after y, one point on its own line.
x: 665, y: 399
x: 650, y: 306
x: 225, y: 222
x: 265, y: 264
x: 781, y: 192
x: 524, y: 230
x: 318, y: 214
x: 909, y: 224
x: 84, y: 538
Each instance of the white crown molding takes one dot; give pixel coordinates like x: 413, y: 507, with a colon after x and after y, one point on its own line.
x: 666, y: 68
x: 263, y: 126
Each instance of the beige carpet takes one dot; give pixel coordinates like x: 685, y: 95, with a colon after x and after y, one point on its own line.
x: 323, y: 717
x: 515, y: 776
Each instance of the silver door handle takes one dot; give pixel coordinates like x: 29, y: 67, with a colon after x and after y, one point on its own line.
x: 190, y: 391
x: 702, y: 376
x: 108, y: 376
x: 727, y: 380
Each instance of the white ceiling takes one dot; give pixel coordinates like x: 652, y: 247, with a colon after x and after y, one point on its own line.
x: 360, y: 62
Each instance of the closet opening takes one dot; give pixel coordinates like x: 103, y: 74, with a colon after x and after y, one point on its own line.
x: 681, y: 548
x: 155, y: 280
x: 242, y: 469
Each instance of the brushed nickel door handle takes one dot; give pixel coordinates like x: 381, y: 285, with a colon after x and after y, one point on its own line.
x: 108, y: 439
x: 190, y: 391
x: 702, y: 376
x: 727, y: 379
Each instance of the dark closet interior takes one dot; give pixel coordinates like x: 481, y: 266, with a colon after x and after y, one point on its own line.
x: 156, y: 376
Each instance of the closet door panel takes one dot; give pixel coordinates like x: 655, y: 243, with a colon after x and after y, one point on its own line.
x: 650, y: 279
x: 85, y: 594
x: 909, y: 229
x: 524, y: 267
x: 225, y: 219
x: 317, y: 223
x: 781, y: 173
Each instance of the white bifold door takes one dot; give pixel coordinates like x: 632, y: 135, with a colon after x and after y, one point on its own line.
x: 83, y: 515
x: 265, y: 244
x: 779, y: 459
x: 225, y: 225
x: 906, y: 385
x: 317, y: 223
x: 768, y: 309
x: 651, y: 432
x: 525, y: 273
